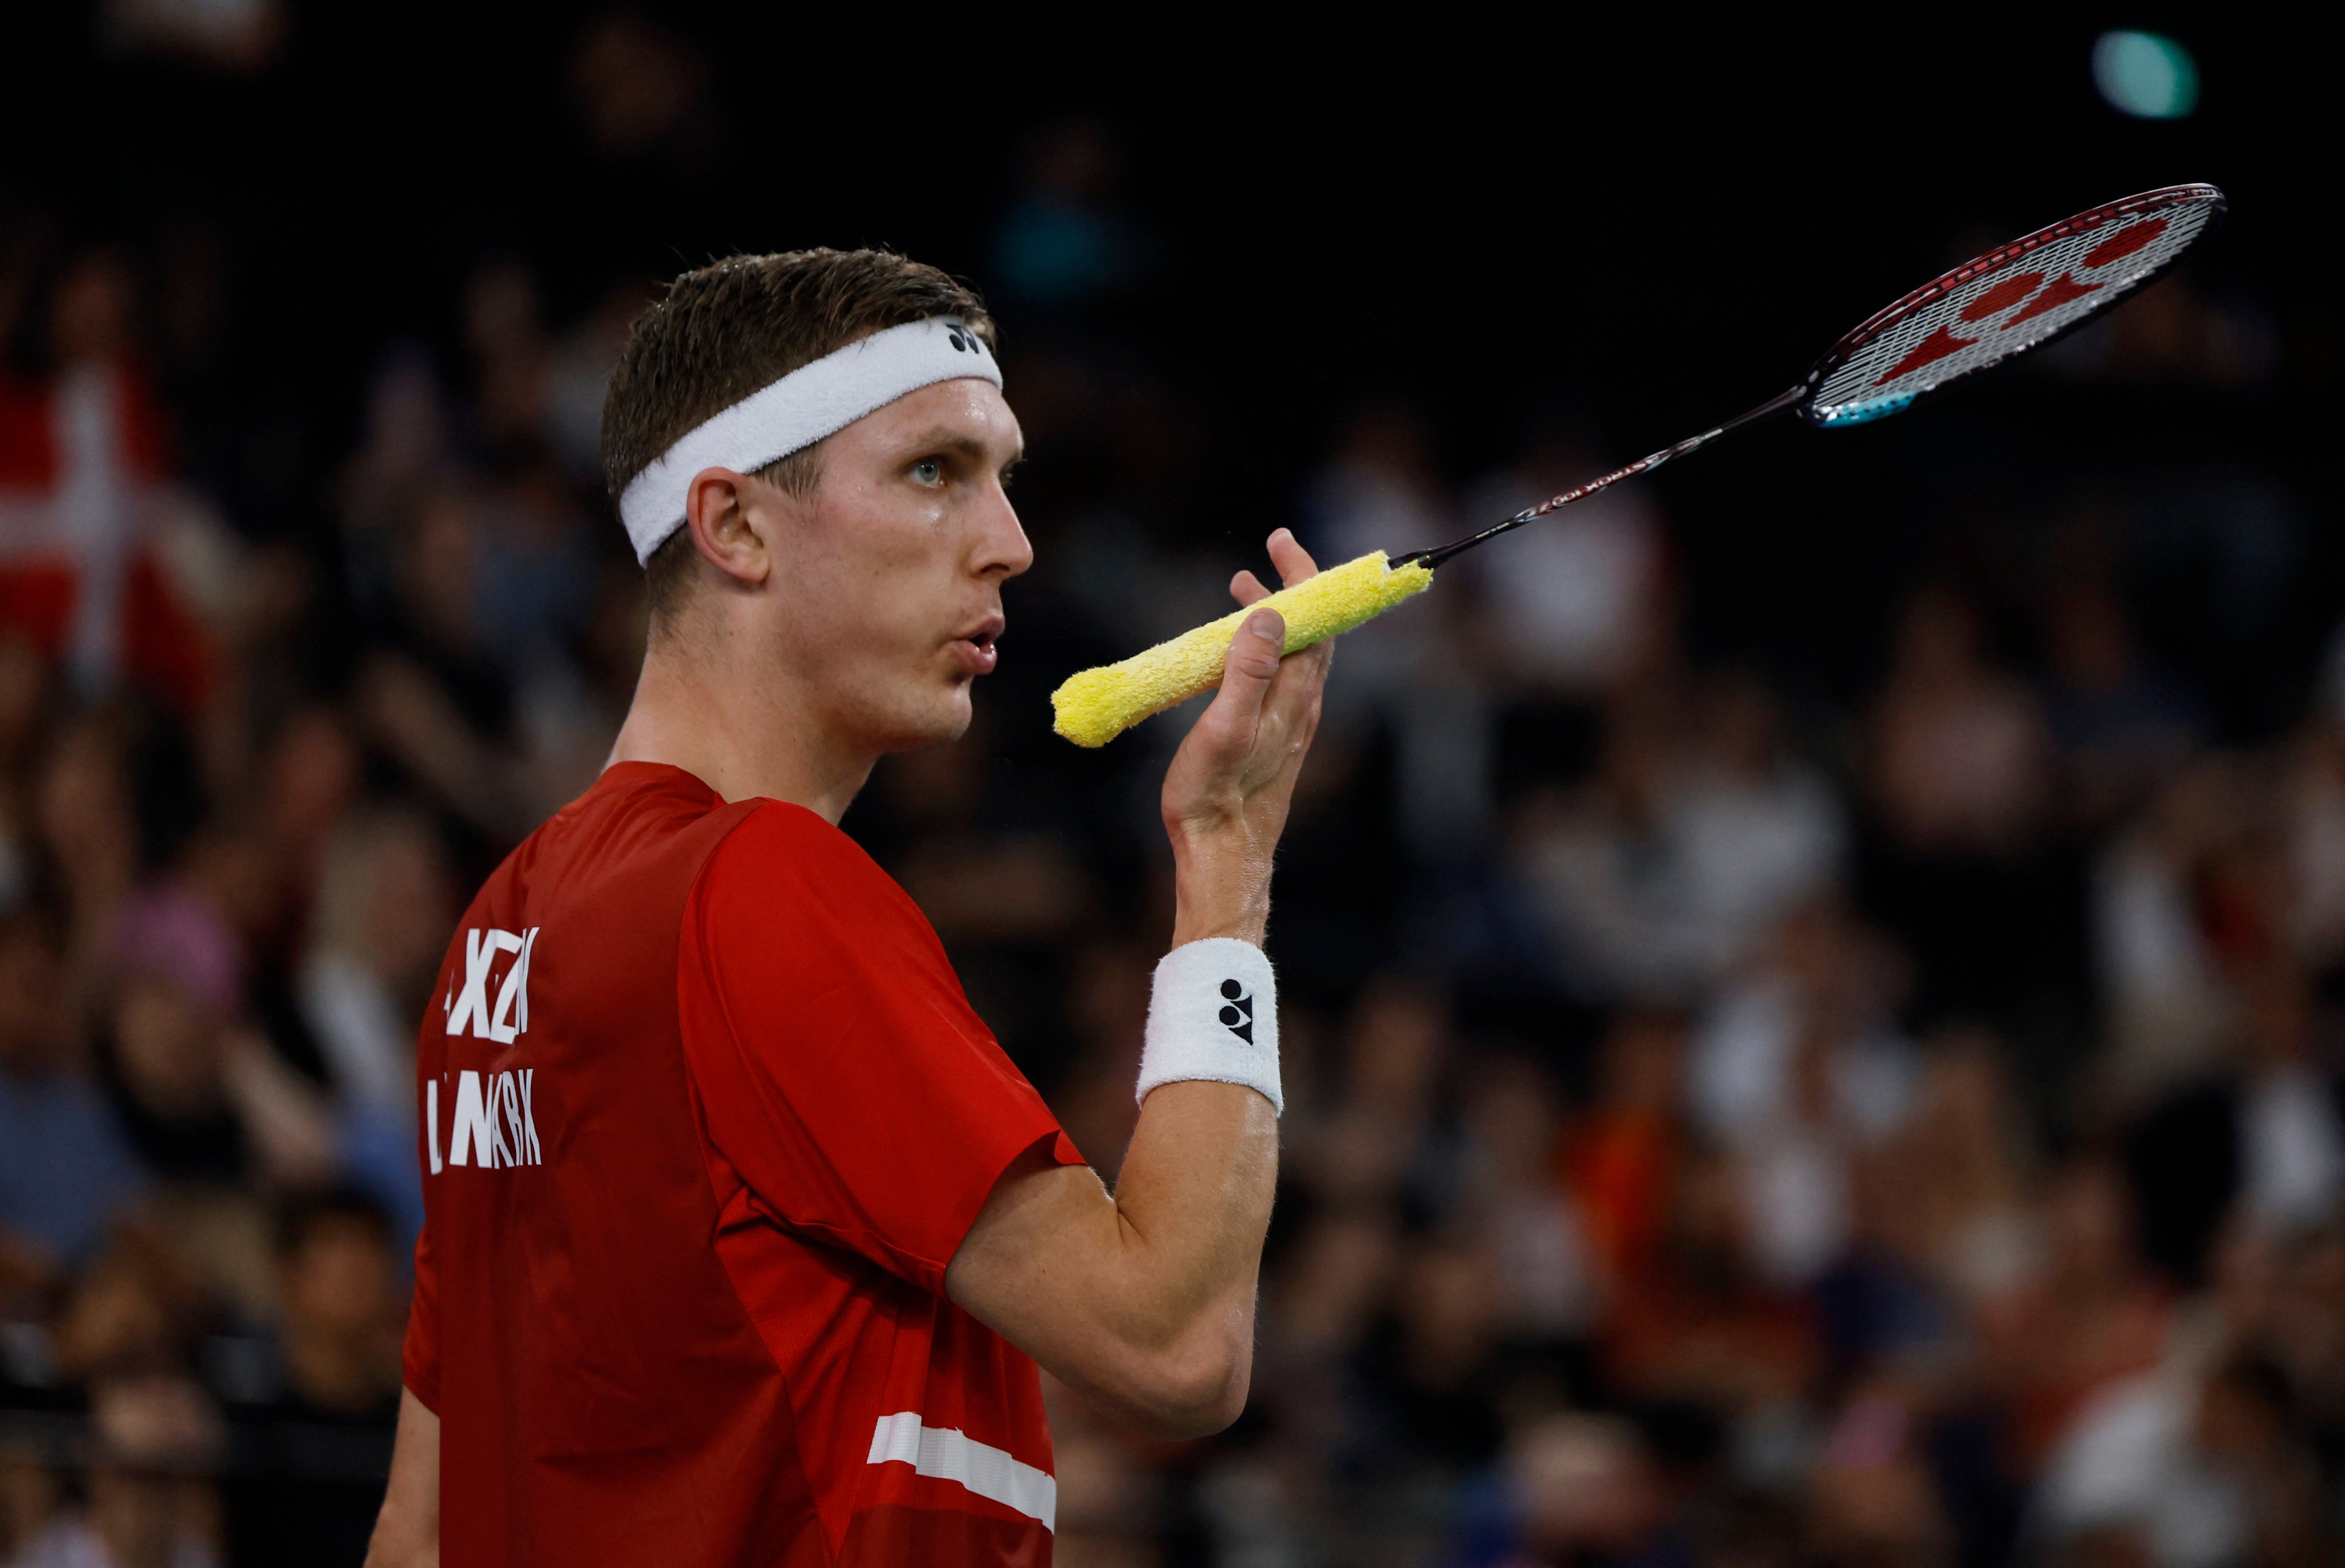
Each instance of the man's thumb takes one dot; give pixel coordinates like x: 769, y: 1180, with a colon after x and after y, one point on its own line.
x: 1252, y: 665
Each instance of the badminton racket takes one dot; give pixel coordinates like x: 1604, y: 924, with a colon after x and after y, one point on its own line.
x: 1983, y: 313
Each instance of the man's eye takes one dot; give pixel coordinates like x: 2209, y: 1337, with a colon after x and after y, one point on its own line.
x: 928, y: 471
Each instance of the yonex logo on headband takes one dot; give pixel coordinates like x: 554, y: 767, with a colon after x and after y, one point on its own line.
x: 811, y: 402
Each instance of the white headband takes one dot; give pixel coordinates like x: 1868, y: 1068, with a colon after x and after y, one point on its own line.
x: 812, y: 402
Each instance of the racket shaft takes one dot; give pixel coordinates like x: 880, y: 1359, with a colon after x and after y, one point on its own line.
x: 1644, y: 464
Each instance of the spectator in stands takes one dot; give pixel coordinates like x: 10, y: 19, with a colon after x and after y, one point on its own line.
x: 150, y: 1503
x: 2090, y: 1316
x: 1960, y: 867
x: 1959, y: 750
x: 1759, y: 829
x: 316, y: 1443
x: 1699, y: 1322
x: 2313, y: 824
x: 1820, y: 999
x: 202, y: 1097
x: 1416, y: 675
x: 88, y: 837
x: 64, y: 1168
x: 1961, y: 1173
x: 385, y: 898
x: 1366, y: 1148
x: 1582, y: 599
x: 385, y: 901
x: 1609, y: 872
x: 81, y: 459
x: 1621, y: 1160
x: 1547, y: 1289
x: 23, y: 690
x: 2169, y: 1003
x: 2119, y: 730
x: 2291, y: 1106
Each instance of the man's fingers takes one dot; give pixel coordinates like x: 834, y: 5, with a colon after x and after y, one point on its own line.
x: 1296, y: 565
x: 1245, y: 748
x: 1257, y: 648
x: 1247, y: 673
x: 1294, y: 696
x: 1294, y: 562
x: 1254, y: 681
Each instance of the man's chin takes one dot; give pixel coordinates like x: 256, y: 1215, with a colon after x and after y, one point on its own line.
x: 940, y: 721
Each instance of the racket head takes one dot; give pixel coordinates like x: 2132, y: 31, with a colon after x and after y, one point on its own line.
x: 2016, y: 298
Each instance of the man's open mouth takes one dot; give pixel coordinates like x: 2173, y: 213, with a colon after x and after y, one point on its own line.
x: 977, y: 647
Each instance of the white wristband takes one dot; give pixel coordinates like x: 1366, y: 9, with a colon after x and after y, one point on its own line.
x: 1213, y: 1013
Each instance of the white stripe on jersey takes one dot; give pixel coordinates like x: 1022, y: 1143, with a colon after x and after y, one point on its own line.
x: 950, y: 1454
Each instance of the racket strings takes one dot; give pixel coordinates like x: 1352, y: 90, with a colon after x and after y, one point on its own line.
x: 2034, y: 293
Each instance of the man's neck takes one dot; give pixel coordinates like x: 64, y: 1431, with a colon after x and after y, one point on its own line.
x: 742, y: 733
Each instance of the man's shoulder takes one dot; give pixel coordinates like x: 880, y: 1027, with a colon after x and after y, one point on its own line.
x: 778, y: 838
x: 634, y: 816
x: 784, y: 868
x: 625, y: 851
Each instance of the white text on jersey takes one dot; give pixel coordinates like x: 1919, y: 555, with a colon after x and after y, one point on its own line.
x: 494, y: 1124
x: 469, y: 1008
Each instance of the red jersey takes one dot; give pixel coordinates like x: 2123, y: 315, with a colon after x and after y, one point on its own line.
x: 705, y: 1117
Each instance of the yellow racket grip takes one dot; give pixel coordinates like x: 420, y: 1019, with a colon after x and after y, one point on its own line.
x: 1095, y: 706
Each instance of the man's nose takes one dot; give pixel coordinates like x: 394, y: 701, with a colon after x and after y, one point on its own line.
x: 1003, y: 549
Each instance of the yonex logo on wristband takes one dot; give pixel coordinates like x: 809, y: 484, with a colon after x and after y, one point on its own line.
x: 1237, y: 1014
x: 1213, y: 1016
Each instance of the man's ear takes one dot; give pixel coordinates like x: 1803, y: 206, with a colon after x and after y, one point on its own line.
x: 729, y: 524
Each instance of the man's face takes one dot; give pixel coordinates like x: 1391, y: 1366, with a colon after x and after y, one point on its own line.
x: 888, y: 580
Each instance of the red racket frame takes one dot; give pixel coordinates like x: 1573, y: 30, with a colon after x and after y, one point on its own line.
x: 1881, y: 322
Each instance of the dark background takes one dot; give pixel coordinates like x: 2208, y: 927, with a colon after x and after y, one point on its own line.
x: 1670, y: 228
x: 1542, y: 1288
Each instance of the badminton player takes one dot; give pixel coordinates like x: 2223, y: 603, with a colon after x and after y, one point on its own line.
x: 744, y: 1238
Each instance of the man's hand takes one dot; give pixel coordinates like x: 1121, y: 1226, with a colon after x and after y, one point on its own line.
x: 1227, y: 793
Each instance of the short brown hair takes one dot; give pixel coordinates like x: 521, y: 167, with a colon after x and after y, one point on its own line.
x: 725, y: 331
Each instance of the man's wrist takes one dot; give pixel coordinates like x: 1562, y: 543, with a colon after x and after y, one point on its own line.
x: 1248, y: 928
x: 1218, y: 890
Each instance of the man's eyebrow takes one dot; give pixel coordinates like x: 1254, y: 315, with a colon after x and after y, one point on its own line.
x: 963, y: 444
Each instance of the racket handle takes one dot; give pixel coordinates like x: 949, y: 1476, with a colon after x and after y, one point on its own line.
x: 1095, y: 706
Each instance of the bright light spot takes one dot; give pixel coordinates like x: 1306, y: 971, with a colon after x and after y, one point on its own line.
x: 2146, y: 76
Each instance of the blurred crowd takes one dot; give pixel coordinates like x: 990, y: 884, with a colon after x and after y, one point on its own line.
x: 1729, y: 1122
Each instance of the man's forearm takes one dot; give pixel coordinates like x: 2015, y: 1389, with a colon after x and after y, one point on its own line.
x: 1194, y: 1200
x: 1144, y: 1298
x: 1142, y: 1301
x: 1193, y: 1195
x: 407, y: 1532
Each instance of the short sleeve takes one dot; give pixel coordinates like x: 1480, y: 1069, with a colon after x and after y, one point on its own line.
x: 419, y: 1356
x: 839, y: 1068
